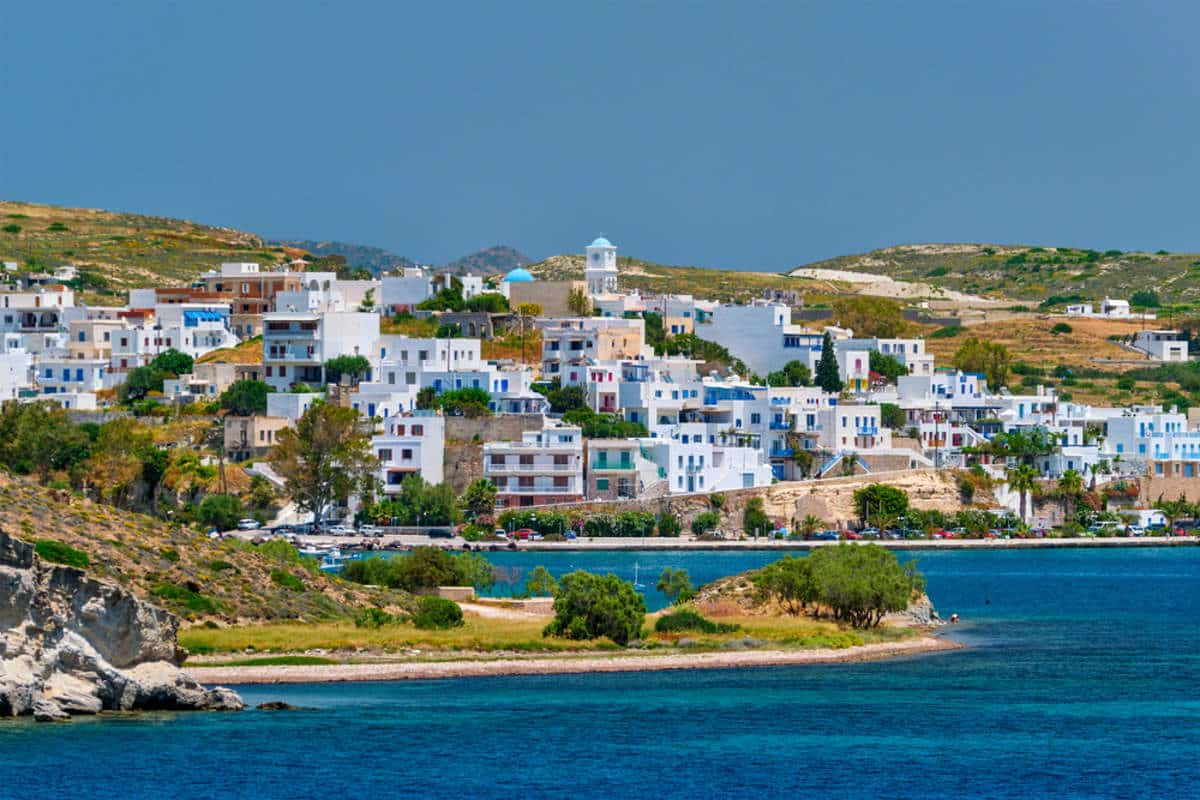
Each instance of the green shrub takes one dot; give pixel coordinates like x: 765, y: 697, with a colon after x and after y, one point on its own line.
x: 590, y: 606
x: 688, y: 620
x: 188, y: 598
x: 59, y: 553
x: 437, y: 613
x: 1060, y: 327
x: 706, y: 522
x: 281, y: 577
x: 170, y: 554
x: 946, y: 333
x: 373, y: 618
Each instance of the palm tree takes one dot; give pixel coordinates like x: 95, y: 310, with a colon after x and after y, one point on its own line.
x: 1173, y: 509
x: 1022, y: 479
x: 810, y: 525
x: 1071, y: 486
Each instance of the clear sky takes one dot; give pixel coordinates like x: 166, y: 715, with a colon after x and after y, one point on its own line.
x: 745, y: 135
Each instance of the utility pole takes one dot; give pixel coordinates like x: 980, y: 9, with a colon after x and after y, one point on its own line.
x: 937, y: 456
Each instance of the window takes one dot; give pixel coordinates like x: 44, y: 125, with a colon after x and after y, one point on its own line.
x: 755, y: 419
x: 561, y: 482
x: 497, y: 459
x: 406, y: 454
x: 560, y: 460
x: 418, y: 430
x: 399, y: 429
x: 602, y: 484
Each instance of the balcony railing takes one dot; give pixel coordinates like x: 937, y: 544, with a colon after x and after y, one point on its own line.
x: 292, y: 354
x: 532, y: 468
x: 868, y: 431
x: 612, y: 465
x: 783, y: 452
x: 784, y: 425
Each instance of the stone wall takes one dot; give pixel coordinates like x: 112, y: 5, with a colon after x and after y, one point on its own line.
x: 829, y: 499
x: 464, y: 443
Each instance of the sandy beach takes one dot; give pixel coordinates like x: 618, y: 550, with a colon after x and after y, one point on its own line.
x: 550, y: 665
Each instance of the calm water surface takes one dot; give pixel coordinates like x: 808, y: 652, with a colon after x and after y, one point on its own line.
x: 1082, y: 680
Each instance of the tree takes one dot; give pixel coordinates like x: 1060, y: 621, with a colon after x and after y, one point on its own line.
x: 39, y: 438
x: 880, y: 502
x: 1071, y: 487
x: 490, y: 302
x: 887, y: 366
x: 604, y: 426
x: 368, y: 301
x: 676, y: 585
x: 793, y: 373
x: 892, y: 416
x: 706, y: 522
x: 422, y: 569
x: 479, y: 499
x: 325, y: 458
x: 862, y: 583
x: 789, y: 582
x: 1174, y: 509
x: 172, y: 362
x: 870, y: 316
x: 668, y: 525
x: 579, y: 303
x: 810, y: 525
x: 1023, y: 480
x: 990, y: 359
x: 245, y: 398
x: 590, y: 606
x: 829, y: 377
x: 468, y: 402
x: 541, y: 583
x: 426, y: 398
x: 803, y: 459
x: 221, y: 511
x: 116, y: 463
x: 139, y: 382
x: 449, y: 299
x: 563, y: 398
x: 417, y: 503
x: 356, y: 368
x: 754, y: 519
x: 1144, y: 298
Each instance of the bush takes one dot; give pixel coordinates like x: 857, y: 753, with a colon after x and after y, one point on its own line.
x: 187, y: 597
x: 1060, y: 327
x: 706, y: 522
x: 170, y: 554
x: 590, y: 606
x: 946, y: 333
x: 437, y: 613
x: 689, y: 620
x: 222, y: 511
x: 281, y: 577
x: 220, y: 565
x: 669, y: 526
x: 423, y: 568
x: 59, y: 553
x: 373, y: 618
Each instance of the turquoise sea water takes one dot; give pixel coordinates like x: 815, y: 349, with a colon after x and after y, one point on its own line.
x: 1082, y: 680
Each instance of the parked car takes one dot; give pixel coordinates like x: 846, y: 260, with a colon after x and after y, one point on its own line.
x: 852, y: 535
x: 500, y: 533
x: 248, y: 525
x: 523, y: 533
x: 826, y: 536
x: 370, y: 530
x: 440, y: 533
x: 570, y: 536
x: 869, y: 533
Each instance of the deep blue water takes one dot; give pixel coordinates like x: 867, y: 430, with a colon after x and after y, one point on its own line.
x: 1082, y: 680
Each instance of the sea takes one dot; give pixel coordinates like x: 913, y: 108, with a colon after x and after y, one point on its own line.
x: 1080, y: 679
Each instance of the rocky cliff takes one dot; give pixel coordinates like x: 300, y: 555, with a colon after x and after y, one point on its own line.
x: 70, y: 644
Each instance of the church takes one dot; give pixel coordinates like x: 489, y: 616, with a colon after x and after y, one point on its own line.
x: 601, y: 268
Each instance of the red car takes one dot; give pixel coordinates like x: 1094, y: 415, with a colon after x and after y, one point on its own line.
x: 851, y: 535
x: 523, y: 533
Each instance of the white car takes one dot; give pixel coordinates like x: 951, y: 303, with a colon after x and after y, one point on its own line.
x: 248, y: 525
x: 341, y: 530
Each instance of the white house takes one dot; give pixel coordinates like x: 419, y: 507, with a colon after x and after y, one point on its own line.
x: 297, y: 345
x: 404, y: 290
x: 411, y: 444
x: 1163, y: 345
x: 546, y: 466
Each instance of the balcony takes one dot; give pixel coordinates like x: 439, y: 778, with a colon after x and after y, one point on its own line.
x: 868, y: 431
x: 529, y: 469
x: 782, y: 425
x: 601, y: 466
x: 783, y: 452
x: 292, y: 354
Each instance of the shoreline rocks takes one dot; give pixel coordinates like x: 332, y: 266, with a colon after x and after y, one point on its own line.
x: 70, y: 644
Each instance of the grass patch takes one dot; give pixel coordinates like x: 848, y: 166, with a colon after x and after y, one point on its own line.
x: 59, y: 553
x: 281, y: 577
x: 185, y: 597
x: 275, y: 661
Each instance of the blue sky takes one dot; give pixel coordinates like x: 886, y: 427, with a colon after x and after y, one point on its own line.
x: 743, y: 135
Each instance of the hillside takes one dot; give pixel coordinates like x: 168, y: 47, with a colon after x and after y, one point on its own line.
x: 177, y: 568
x: 119, y: 251
x: 375, y: 259
x: 1028, y: 273
x: 713, y: 284
x: 490, y: 261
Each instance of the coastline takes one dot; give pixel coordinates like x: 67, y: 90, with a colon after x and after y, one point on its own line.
x: 557, y: 665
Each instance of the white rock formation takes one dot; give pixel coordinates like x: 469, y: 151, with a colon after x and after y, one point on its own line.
x: 70, y: 644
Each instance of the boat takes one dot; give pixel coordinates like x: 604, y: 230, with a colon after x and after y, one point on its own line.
x: 636, y: 584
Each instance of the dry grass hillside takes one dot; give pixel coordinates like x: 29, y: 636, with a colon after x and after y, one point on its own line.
x: 178, y: 568
x: 713, y: 284
x: 1031, y: 273
x: 122, y: 250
